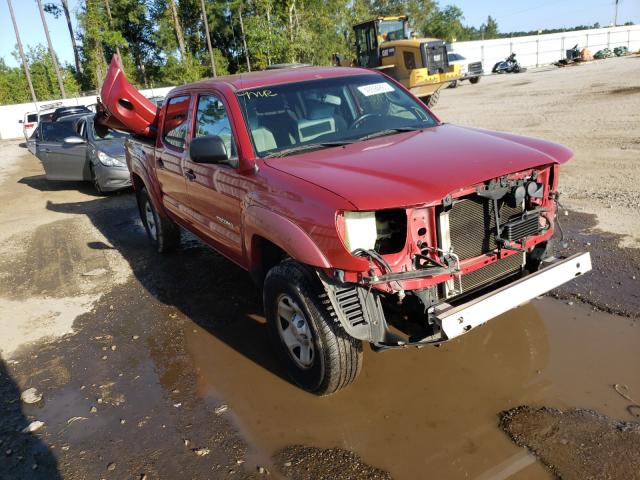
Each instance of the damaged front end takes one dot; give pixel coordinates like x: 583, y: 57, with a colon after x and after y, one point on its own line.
x: 437, y: 271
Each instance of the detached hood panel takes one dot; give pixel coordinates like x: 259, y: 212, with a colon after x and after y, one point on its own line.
x: 418, y: 167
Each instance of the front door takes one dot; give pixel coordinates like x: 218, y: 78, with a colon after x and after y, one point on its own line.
x: 61, y: 161
x: 215, y: 191
x: 170, y: 152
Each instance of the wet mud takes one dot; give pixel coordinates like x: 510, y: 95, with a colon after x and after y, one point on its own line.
x: 614, y: 283
x: 577, y: 444
x: 170, y: 374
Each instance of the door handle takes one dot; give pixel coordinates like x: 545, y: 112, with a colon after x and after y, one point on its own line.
x: 190, y: 175
x: 160, y: 163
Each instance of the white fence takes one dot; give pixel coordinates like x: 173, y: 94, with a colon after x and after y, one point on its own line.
x: 10, y: 115
x: 536, y: 50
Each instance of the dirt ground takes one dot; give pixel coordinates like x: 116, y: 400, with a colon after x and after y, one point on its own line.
x: 145, y: 377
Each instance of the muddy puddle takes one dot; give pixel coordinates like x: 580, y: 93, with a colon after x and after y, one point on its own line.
x: 432, y: 412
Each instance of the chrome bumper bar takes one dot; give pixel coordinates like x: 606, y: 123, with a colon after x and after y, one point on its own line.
x: 458, y: 320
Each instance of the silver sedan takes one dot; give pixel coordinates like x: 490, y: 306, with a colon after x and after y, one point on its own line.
x: 74, y: 148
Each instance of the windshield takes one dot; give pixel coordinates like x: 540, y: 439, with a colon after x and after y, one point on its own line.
x: 391, y: 29
x: 328, y: 112
x: 100, y: 132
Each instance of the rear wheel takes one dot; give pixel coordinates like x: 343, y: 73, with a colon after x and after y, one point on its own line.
x: 474, y: 80
x: 318, y: 354
x: 453, y: 84
x: 431, y: 100
x: 163, y: 232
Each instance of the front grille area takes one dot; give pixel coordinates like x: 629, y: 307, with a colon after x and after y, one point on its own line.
x: 472, y: 225
x: 475, y: 68
x: 490, y: 273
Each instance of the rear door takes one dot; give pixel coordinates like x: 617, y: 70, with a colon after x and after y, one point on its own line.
x: 62, y: 161
x: 215, y: 191
x: 171, y: 150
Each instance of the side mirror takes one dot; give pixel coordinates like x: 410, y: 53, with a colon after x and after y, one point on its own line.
x: 20, y: 121
x: 73, y: 140
x: 209, y: 149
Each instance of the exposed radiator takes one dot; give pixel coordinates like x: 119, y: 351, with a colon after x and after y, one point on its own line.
x: 490, y: 273
x: 472, y: 225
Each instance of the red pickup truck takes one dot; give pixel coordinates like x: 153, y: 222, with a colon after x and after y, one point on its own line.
x: 362, y: 216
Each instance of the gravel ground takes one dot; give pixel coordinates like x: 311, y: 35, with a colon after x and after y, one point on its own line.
x: 577, y: 444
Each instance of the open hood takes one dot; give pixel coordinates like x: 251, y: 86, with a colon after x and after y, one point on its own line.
x: 122, y: 107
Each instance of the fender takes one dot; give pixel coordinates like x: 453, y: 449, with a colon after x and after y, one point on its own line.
x: 283, y: 233
x: 139, y: 168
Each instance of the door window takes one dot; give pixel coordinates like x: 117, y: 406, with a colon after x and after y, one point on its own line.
x: 212, y: 119
x: 80, y: 129
x: 57, y: 131
x: 174, y: 131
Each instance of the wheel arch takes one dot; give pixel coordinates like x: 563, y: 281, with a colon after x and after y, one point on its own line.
x: 269, y: 238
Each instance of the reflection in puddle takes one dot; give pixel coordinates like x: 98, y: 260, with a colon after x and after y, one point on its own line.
x: 435, y: 409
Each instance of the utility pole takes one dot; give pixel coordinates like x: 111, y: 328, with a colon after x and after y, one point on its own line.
x: 51, y: 50
x: 615, y: 17
x: 206, y: 31
x: 244, y: 36
x: 24, y: 59
x: 106, y: 4
x: 179, y: 34
x: 76, y: 55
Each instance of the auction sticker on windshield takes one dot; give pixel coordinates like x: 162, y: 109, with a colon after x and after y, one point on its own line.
x: 375, y: 89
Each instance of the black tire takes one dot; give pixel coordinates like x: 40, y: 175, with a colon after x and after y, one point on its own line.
x: 474, y: 80
x: 453, y: 84
x: 335, y: 358
x: 163, y: 232
x: 431, y: 100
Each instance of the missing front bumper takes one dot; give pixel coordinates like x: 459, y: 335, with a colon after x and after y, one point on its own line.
x: 458, y: 320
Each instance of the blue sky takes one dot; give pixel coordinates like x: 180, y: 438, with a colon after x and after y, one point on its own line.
x: 511, y: 16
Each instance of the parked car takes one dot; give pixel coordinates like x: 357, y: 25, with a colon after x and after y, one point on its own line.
x: 29, y: 124
x: 70, y: 110
x: 74, y: 148
x: 471, y: 71
x: 31, y: 119
x: 363, y: 217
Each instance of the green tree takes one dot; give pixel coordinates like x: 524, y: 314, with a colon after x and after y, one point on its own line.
x: 444, y: 23
x: 490, y: 28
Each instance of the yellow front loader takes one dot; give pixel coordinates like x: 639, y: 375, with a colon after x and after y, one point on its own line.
x: 420, y: 64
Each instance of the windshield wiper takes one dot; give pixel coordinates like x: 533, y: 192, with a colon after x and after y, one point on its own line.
x: 310, y: 146
x: 389, y: 131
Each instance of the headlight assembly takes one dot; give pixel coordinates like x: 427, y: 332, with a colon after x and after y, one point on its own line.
x: 109, y: 161
x: 360, y: 230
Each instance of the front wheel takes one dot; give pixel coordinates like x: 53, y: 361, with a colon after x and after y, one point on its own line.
x: 163, y: 232
x: 431, y: 100
x: 319, y: 355
x: 474, y: 80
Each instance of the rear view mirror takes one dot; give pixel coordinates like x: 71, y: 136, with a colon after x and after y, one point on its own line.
x: 20, y: 121
x: 73, y: 140
x: 209, y: 149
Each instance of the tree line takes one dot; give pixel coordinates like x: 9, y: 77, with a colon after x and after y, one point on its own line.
x: 165, y: 42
